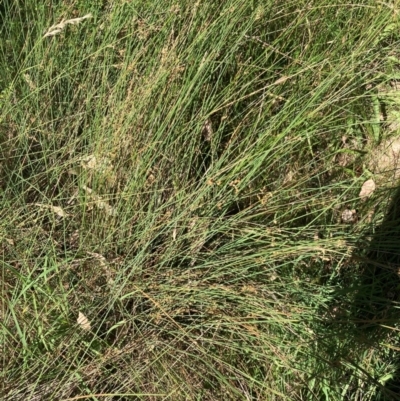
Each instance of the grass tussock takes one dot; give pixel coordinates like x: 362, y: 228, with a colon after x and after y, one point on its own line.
x: 180, y: 209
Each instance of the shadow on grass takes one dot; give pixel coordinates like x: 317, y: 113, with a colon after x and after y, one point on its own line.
x: 376, y: 299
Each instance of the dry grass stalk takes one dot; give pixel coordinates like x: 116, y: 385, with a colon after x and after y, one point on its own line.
x: 56, y: 29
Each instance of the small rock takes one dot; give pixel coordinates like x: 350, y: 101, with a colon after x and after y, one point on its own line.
x: 367, y: 189
x: 349, y: 216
